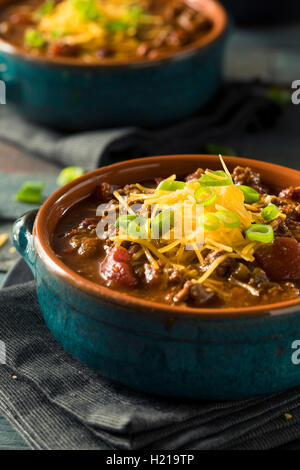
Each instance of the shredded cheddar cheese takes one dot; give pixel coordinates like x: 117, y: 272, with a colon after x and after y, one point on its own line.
x: 3, y: 239
x: 183, y: 250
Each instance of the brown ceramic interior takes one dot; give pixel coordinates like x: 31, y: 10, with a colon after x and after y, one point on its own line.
x: 213, y: 9
x: 139, y: 170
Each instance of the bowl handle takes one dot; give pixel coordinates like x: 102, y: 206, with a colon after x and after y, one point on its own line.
x: 23, y: 238
x: 10, y: 90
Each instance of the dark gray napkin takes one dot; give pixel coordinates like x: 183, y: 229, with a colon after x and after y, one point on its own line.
x: 236, y: 116
x: 66, y: 149
x: 55, y: 402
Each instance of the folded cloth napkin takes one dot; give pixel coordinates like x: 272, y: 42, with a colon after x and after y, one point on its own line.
x: 55, y: 402
x: 231, y: 117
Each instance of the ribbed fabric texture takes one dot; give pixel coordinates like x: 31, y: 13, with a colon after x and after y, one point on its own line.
x: 56, y: 402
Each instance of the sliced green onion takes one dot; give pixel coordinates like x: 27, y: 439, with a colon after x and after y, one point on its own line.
x: 208, y: 180
x: 34, y: 38
x: 45, y: 9
x: 210, y: 221
x: 57, y: 33
x: 31, y: 191
x: 279, y: 95
x: 270, y: 212
x: 250, y: 194
x: 216, y: 149
x: 133, y: 15
x: 229, y: 219
x: 205, y: 196
x: 138, y: 228
x: 87, y: 9
x: 116, y: 26
x: 260, y: 233
x: 124, y: 220
x: 168, y: 185
x: 162, y: 223
x: 69, y: 174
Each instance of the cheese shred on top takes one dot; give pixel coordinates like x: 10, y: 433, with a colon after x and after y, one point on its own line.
x: 170, y: 249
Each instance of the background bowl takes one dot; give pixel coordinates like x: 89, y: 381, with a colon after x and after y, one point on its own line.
x: 61, y: 94
x: 156, y: 348
x: 251, y: 12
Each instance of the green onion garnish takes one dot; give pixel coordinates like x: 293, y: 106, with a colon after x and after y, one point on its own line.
x: 260, y: 233
x: 210, y: 221
x: 270, y: 212
x: 133, y: 15
x: 87, y: 9
x: 162, y: 223
x: 116, y: 26
x: 205, y: 196
x: 124, y: 220
x: 216, y: 149
x: 34, y: 38
x: 168, y: 185
x: 69, y: 174
x: 250, y: 194
x: 45, y: 9
x: 229, y: 219
x: 138, y: 228
x: 222, y: 180
x: 31, y: 191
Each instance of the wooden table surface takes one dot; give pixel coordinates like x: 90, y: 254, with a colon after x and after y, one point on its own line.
x: 271, y: 54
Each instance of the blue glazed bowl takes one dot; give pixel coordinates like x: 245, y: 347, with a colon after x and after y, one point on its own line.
x: 62, y: 94
x: 152, y: 347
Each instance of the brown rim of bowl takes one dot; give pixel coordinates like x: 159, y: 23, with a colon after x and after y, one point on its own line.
x: 214, y: 10
x: 49, y: 257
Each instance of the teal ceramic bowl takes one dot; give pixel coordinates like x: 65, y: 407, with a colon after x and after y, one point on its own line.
x: 65, y: 95
x: 152, y: 347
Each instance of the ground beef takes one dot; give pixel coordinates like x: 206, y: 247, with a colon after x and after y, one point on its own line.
x: 195, y: 295
x: 175, y: 274
x: 195, y: 176
x: 258, y: 276
x: 128, y: 189
x: 290, y: 193
x: 133, y: 248
x: 280, y: 228
x: 226, y: 268
x: 64, y: 50
x: 241, y: 273
x: 104, y: 191
x: 148, y: 275
x: 89, y: 247
x: 248, y: 177
x: 294, y: 228
x: 212, y: 256
x: 89, y: 222
x: 291, y: 210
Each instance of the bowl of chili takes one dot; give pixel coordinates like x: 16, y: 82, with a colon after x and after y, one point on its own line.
x: 70, y: 65
x: 219, y: 326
